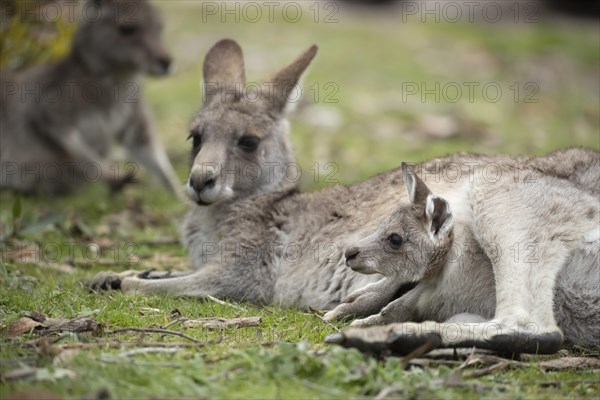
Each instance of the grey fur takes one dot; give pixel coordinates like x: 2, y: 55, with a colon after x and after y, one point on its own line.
x: 530, y: 238
x: 59, y: 122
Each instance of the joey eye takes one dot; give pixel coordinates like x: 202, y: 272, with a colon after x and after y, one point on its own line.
x: 197, y: 140
x: 248, y: 143
x: 127, y: 30
x: 395, y: 240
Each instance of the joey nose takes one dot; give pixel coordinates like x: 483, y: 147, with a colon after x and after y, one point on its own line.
x: 351, y: 253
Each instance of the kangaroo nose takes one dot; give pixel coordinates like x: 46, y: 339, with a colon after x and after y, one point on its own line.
x: 199, y: 185
x: 164, y: 63
x: 351, y: 253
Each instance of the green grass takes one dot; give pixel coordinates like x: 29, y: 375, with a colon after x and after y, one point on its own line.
x: 283, y: 358
x: 368, y: 57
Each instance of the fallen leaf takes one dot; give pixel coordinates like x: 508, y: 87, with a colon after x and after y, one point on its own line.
x: 22, y: 326
x: 42, y: 324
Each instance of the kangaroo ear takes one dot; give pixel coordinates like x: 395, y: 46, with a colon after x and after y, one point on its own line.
x: 284, y: 82
x: 223, y: 70
x: 417, y: 190
x: 439, y: 218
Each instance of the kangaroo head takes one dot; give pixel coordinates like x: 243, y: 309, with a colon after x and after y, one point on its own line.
x: 413, y: 243
x: 123, y: 37
x: 240, y: 138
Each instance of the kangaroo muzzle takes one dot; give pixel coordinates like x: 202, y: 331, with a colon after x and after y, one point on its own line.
x: 207, y: 186
x: 161, y: 65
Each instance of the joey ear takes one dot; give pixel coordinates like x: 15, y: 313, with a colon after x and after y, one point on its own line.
x: 223, y: 69
x: 439, y: 217
x: 417, y: 190
x: 283, y: 83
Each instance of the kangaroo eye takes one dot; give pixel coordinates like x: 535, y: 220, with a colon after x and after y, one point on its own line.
x: 248, y: 143
x: 127, y: 30
x: 196, y: 138
x: 395, y: 240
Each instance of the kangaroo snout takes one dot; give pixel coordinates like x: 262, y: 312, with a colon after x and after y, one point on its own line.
x: 362, y: 265
x: 165, y: 63
x: 201, y: 183
x: 161, y: 65
x: 351, y: 254
x: 206, y: 188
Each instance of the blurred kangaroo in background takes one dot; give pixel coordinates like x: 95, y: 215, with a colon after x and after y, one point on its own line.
x: 521, y: 246
x: 252, y: 235
x: 59, y: 122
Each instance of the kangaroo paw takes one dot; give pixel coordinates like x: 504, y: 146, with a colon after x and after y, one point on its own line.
x: 515, y: 342
x: 403, y: 338
x: 368, y: 340
x: 358, y: 305
x: 109, y: 280
x: 372, y: 320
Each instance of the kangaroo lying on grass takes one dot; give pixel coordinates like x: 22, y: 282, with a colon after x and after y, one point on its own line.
x: 255, y: 237
x: 59, y: 122
x: 251, y: 234
x: 521, y: 247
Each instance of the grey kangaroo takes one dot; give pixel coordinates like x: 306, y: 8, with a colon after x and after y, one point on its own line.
x: 252, y: 235
x: 511, y: 260
x: 59, y: 122
x: 255, y: 236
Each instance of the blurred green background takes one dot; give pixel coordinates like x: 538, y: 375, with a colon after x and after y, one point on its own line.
x: 366, y: 118
x: 385, y: 86
x: 389, y: 84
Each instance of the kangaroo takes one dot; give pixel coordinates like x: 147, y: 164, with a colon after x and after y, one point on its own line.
x: 252, y: 234
x: 58, y: 122
x: 510, y: 263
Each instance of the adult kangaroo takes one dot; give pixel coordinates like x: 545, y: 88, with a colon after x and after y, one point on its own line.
x: 60, y: 121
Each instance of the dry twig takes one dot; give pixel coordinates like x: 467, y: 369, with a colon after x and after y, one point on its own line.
x: 148, y: 350
x: 174, y: 322
x: 154, y: 330
x: 222, y: 323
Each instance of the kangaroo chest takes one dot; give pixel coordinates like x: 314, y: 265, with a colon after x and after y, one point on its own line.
x: 100, y: 127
